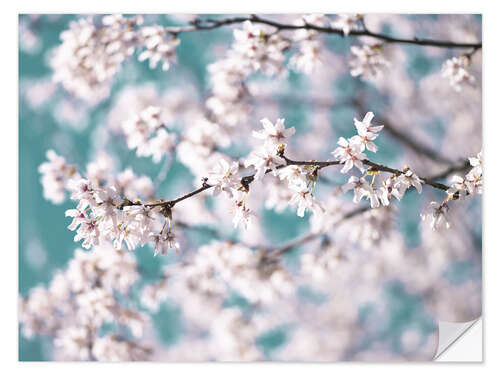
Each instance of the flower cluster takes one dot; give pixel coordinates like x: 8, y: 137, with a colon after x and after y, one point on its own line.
x: 259, y: 48
x: 254, y: 48
x: 159, y: 46
x: 455, y: 69
x: 347, y: 22
x: 80, y: 300
x: 307, y: 58
x: 109, y: 209
x: 473, y: 181
x: 224, y: 178
x: 368, y: 61
x: 146, y: 132
x: 91, y: 53
x: 103, y: 215
x: 437, y: 213
x: 350, y: 153
x: 56, y: 174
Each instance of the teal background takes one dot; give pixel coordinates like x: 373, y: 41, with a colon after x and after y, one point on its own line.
x: 45, y: 245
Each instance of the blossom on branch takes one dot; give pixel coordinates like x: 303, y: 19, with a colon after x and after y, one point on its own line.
x: 263, y: 50
x: 224, y: 178
x: 368, y: 61
x: 274, y: 134
x: 367, y: 133
x: 263, y: 159
x: 361, y: 189
x: 350, y: 153
x: 455, y: 69
x: 437, y: 214
x: 307, y: 59
x: 304, y: 200
x: 159, y: 46
x: 408, y: 178
x: 346, y: 22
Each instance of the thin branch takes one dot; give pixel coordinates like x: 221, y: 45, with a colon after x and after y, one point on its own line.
x: 321, y: 164
x: 276, y: 252
x: 247, y: 180
x: 397, y: 172
x: 210, y: 24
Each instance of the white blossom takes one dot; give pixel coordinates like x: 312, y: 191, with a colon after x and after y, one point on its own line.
x: 368, y: 61
x: 350, y: 154
x: 274, y: 134
x: 159, y: 46
x: 242, y: 214
x: 409, y: 178
x: 346, y: 22
x: 56, y: 174
x: 263, y: 159
x: 455, y: 69
x: 164, y: 241
x: 459, y: 185
x: 437, y: 214
x: 391, y: 188
x: 90, y: 55
x: 304, y: 200
x: 361, y: 189
x: 294, y: 174
x: 367, y: 132
x: 224, y: 177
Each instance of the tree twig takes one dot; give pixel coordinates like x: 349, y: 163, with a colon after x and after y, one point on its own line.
x: 247, y: 180
x: 210, y: 24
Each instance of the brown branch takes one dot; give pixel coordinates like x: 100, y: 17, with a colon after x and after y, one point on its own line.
x: 397, y: 172
x: 210, y: 24
x: 247, y: 180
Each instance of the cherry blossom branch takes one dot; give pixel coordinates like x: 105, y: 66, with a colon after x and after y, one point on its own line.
x: 247, y: 180
x: 320, y: 164
x: 397, y: 172
x: 210, y: 24
x: 374, y: 167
